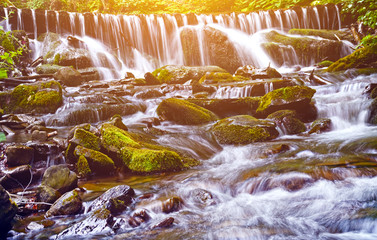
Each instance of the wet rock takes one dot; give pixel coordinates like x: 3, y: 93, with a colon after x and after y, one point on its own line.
x: 198, y: 87
x: 183, y: 112
x: 172, y: 205
x: 148, y: 94
x: 320, y: 125
x: 99, y: 163
x: 203, y: 197
x: 150, y: 79
x: 324, y: 33
x: 372, y: 115
x: 218, y: 50
x: 8, y: 210
x: 171, y: 74
x: 365, y: 57
x: 48, y: 69
x: 69, y: 76
x: 220, y: 77
x: 83, y: 138
x: 243, y: 129
x: 129, y: 75
x: 83, y: 168
x: 37, y: 135
x: 276, y: 149
x: 116, y: 120
x: 115, y: 199
x: 60, y: 178
x: 19, y: 177
x: 325, y: 63
x: 39, y: 97
x: 47, y: 194
x: 167, y: 222
x: 296, y: 98
x: 150, y: 161
x: 19, y: 155
x: 249, y: 71
x: 287, y: 121
x: 229, y: 107
x: 68, y: 204
x: 306, y: 48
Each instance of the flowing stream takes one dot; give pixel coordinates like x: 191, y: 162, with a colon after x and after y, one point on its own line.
x: 324, y: 186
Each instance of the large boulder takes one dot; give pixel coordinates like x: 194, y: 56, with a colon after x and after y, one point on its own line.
x: 244, y: 129
x: 307, y: 49
x: 183, y: 112
x: 287, y: 121
x: 113, y: 139
x: 296, y: 98
x: 8, y: 210
x: 39, y: 97
x: 365, y: 57
x: 48, y: 69
x: 217, y: 48
x: 68, y: 76
x: 19, y: 155
x: 60, y: 178
x: 229, y: 107
x: 68, y: 204
x: 172, y: 74
x: 324, y: 33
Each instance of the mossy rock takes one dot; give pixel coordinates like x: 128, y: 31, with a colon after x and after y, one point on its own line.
x: 306, y: 48
x: 220, y: 77
x: 145, y: 161
x: 40, y: 97
x: 83, y: 138
x: 114, y: 138
x: 47, y: 69
x: 172, y: 74
x: 250, y: 72
x: 324, y: 33
x: 287, y: 121
x: 296, y: 98
x: 8, y: 210
x: 325, y: 63
x: 244, y: 129
x: 68, y: 204
x: 229, y: 107
x: 183, y: 112
x: 361, y: 58
x: 320, y: 125
x: 60, y: 178
x: 99, y: 163
x: 83, y: 167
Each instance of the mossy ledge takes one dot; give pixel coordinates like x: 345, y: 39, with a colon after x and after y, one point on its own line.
x: 183, y: 112
x: 360, y: 58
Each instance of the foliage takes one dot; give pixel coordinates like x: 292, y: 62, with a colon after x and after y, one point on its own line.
x: 362, y: 10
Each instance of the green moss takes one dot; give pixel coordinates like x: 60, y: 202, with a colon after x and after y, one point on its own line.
x: 150, y: 161
x: 114, y: 138
x: 57, y: 59
x: 285, y: 95
x: 83, y: 167
x: 7, y: 45
x: 87, y: 139
x: 102, y: 213
x: 73, y: 195
x: 98, y: 162
x: 184, y: 112
x: 325, y: 63
x: 358, y: 59
x: 163, y: 75
x: 243, y: 129
x: 47, y: 69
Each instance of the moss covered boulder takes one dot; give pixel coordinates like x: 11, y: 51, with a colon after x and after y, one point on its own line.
x: 68, y: 204
x: 146, y: 161
x: 98, y: 162
x: 183, y: 112
x: 229, y: 107
x: 287, y: 121
x: 60, y: 178
x: 362, y: 58
x: 217, y: 48
x: 307, y: 49
x: 40, y: 97
x: 83, y: 138
x: 114, y: 139
x: 172, y: 74
x: 244, y: 129
x: 324, y: 33
x: 297, y: 98
x: 8, y: 210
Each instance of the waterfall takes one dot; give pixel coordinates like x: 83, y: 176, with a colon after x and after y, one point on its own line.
x: 155, y: 39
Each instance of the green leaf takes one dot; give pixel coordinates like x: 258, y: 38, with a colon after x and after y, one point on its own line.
x: 3, y: 138
x: 3, y: 73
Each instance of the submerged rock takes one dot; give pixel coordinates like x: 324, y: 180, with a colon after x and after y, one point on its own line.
x: 244, y: 129
x: 183, y: 112
x: 172, y: 74
x: 296, y: 98
x: 287, y: 121
x: 19, y: 155
x: 39, y: 97
x: 8, y: 210
x: 68, y: 204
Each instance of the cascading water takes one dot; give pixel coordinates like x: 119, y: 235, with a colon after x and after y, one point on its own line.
x: 145, y: 42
